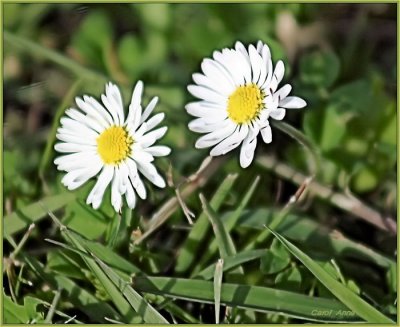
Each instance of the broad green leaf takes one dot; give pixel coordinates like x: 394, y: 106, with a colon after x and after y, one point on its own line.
x: 188, y: 251
x: 346, y: 296
x: 319, y: 68
x: 13, y: 312
x: 275, y: 259
x: 256, y: 298
x: 21, y: 218
x: 85, y: 220
x: 289, y: 279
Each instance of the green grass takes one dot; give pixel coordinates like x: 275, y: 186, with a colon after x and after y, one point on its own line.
x: 304, y: 235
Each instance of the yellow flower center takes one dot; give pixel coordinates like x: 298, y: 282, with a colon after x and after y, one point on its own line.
x: 114, y: 145
x: 245, y: 103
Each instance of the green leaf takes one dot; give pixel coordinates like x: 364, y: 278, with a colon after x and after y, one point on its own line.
x: 188, y: 252
x: 346, y: 296
x: 256, y: 298
x: 145, y: 310
x: 13, y: 312
x: 21, y: 218
x: 290, y: 279
x: 320, y: 68
x: 275, y: 259
x: 85, y: 220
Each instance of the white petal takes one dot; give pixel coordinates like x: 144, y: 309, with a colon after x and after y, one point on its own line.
x: 116, y: 198
x: 135, y: 179
x: 71, y: 147
x: 148, y: 110
x: 292, y: 102
x: 96, y: 195
x: 214, y: 70
x: 266, y: 134
x: 278, y: 114
x: 248, y: 148
x: 149, y: 138
x: 155, y: 120
x: 159, y: 150
x: 98, y: 109
x: 231, y: 142
x: 200, y: 109
x: 130, y: 195
x: 150, y: 172
x: 282, y: 93
x: 201, y: 126
x: 277, y: 76
x: 206, y: 94
x: 135, y: 109
x: 256, y: 63
x: 93, y: 116
x: 78, y: 160
x: 114, y: 98
x: 141, y: 155
x: 212, y: 83
x: 76, y: 139
x: 215, y: 136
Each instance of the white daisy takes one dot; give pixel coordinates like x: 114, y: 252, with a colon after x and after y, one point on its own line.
x: 99, y: 141
x: 239, y: 92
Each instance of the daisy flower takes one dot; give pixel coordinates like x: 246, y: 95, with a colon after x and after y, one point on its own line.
x: 97, y: 140
x: 238, y: 93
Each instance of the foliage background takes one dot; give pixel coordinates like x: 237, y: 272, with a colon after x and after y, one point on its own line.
x: 340, y: 57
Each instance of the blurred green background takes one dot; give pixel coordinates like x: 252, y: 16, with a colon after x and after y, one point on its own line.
x: 341, y: 58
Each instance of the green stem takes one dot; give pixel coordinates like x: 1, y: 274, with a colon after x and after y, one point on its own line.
x: 42, y: 52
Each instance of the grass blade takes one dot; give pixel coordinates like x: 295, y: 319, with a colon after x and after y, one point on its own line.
x: 232, y: 262
x: 145, y: 310
x: 217, y: 287
x: 347, y: 297
x: 230, y: 223
x: 261, y: 299
x: 189, y: 250
x: 224, y: 241
x: 21, y: 218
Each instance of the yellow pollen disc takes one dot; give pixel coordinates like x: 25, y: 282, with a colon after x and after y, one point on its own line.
x: 114, y: 145
x: 245, y: 103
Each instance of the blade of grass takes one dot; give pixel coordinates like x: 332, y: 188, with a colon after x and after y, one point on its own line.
x: 225, y: 244
x: 346, y: 296
x: 261, y: 299
x: 21, y: 218
x: 118, y: 299
x: 145, y: 310
x: 229, y: 224
x: 217, y: 287
x: 94, y: 308
x: 313, y: 236
x: 189, y: 249
x: 232, y: 262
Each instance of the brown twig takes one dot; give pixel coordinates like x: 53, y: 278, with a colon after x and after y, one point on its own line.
x: 198, y: 179
x: 339, y: 200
